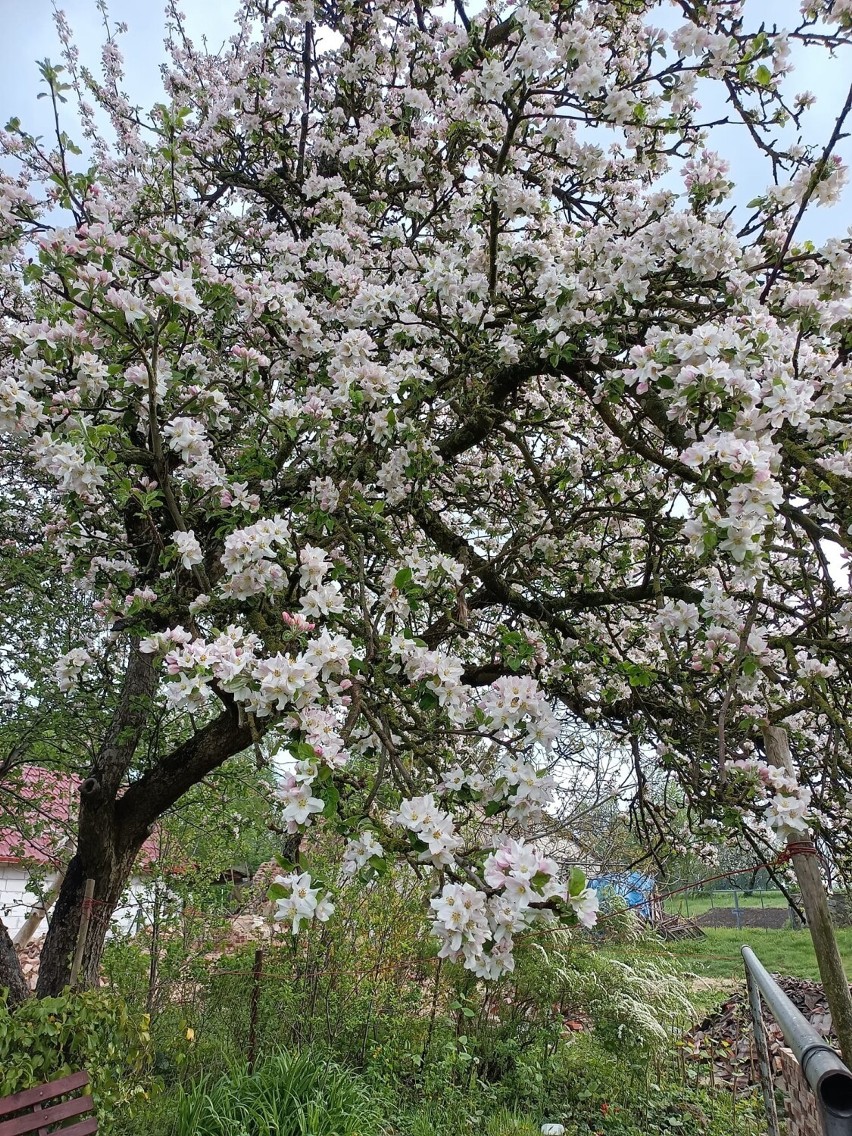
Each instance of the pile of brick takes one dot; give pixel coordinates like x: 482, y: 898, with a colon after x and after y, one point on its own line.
x: 29, y: 958
x: 801, y: 1111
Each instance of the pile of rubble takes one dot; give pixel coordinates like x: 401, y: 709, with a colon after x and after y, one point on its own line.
x: 674, y: 927
x: 254, y: 922
x: 29, y: 957
x: 723, y: 1044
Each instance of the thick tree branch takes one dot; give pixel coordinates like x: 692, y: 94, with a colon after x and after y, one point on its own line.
x: 157, y: 790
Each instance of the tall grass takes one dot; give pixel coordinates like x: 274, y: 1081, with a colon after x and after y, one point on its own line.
x: 288, y: 1094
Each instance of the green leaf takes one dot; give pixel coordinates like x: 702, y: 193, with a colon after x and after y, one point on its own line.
x: 428, y: 700
x: 303, y: 752
x: 763, y: 75
x: 331, y: 796
x: 403, y: 578
x: 576, y: 882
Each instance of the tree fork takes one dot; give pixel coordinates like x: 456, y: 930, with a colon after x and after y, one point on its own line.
x: 815, y: 902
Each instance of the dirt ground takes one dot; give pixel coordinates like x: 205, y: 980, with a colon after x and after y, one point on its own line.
x: 772, y: 918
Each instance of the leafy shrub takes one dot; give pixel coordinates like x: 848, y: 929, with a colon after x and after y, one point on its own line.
x: 594, y: 1092
x: 46, y: 1038
x: 288, y: 1094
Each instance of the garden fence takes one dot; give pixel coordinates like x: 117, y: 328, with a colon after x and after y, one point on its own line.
x: 818, y: 1085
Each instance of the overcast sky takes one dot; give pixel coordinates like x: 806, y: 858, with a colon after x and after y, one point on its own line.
x: 28, y: 34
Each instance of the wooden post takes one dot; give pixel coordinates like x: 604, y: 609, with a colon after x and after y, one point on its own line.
x: 257, y: 970
x: 815, y: 902
x: 82, y: 931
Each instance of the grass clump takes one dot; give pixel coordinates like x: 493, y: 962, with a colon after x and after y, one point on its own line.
x: 288, y: 1094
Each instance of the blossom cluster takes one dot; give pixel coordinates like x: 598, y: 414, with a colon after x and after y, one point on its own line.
x: 299, y: 680
x: 299, y: 901
x: 360, y: 851
x: 433, y: 828
x: 780, y: 802
x: 294, y: 791
x: 477, y: 927
x: 69, y: 667
x: 512, y: 703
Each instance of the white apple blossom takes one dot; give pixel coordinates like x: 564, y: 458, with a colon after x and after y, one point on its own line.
x: 188, y: 548
x: 303, y: 903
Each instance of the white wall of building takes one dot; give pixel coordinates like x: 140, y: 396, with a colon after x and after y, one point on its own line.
x: 17, y: 901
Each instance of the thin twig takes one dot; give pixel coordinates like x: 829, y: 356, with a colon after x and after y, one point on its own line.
x: 816, y: 177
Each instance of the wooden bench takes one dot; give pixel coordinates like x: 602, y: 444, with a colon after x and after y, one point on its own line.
x: 42, y: 1111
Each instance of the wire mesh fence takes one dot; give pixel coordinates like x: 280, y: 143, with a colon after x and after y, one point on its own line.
x: 754, y: 908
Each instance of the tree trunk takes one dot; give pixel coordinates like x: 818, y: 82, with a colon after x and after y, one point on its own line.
x: 11, y: 975
x: 111, y: 874
x: 102, y: 855
x: 113, y: 828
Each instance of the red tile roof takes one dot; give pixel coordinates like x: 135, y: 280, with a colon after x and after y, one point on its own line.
x: 39, y: 809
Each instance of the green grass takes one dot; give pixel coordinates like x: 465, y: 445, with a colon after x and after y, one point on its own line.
x: 781, y: 952
x: 290, y: 1094
x: 698, y: 902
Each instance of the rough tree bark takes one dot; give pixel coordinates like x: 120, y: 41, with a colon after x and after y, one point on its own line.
x: 11, y: 976
x: 115, y: 820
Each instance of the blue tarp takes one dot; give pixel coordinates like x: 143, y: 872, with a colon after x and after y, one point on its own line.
x: 634, y: 887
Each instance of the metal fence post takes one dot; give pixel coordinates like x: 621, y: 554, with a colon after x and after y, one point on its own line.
x: 762, y: 1055
x: 827, y: 1077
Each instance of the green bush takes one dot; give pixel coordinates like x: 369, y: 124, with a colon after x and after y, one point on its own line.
x: 595, y: 1092
x: 288, y: 1094
x: 47, y: 1038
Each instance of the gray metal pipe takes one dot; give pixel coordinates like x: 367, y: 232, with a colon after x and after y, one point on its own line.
x: 826, y: 1074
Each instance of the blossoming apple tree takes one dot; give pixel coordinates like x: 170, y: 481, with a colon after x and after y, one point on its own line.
x: 406, y: 383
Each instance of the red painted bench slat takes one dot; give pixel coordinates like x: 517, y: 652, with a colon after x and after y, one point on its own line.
x: 28, y: 1097
x: 84, y: 1128
x: 38, y: 1115
x: 35, y: 1121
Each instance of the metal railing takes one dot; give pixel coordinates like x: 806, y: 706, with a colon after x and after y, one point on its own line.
x: 829, y: 1079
